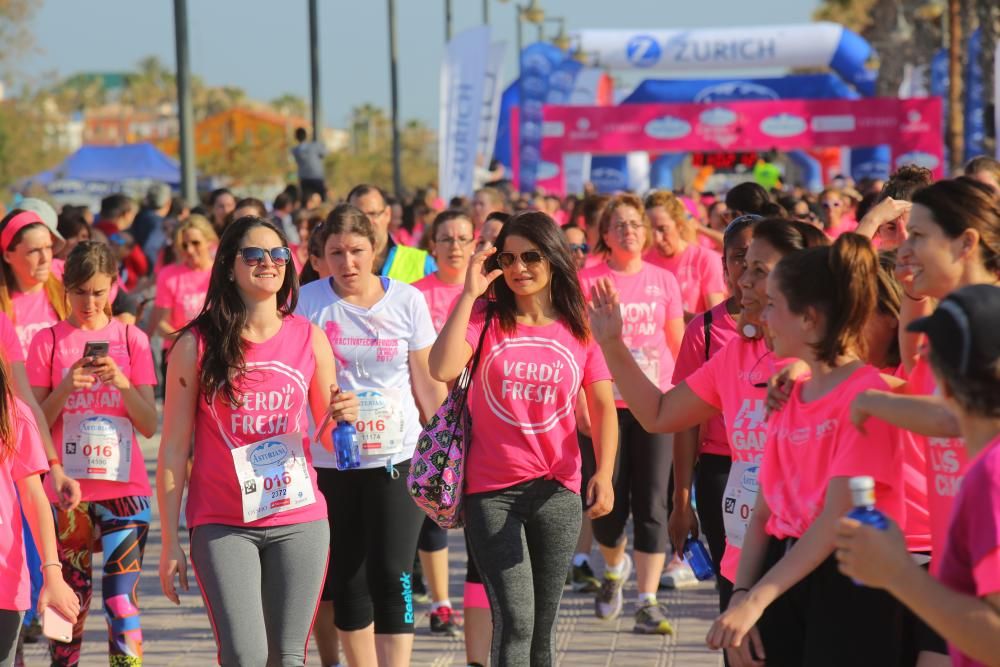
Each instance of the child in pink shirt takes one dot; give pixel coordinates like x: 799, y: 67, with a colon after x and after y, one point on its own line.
x: 962, y: 604
x: 452, y: 241
x: 787, y: 587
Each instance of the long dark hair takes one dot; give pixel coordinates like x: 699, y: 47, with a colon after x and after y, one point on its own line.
x: 222, y: 319
x: 567, y: 297
x: 8, y: 444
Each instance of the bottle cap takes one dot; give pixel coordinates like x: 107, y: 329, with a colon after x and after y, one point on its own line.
x: 861, y: 483
x: 862, y: 491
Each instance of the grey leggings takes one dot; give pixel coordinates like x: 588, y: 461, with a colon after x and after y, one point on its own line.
x: 261, y: 587
x: 522, y: 540
x: 10, y: 627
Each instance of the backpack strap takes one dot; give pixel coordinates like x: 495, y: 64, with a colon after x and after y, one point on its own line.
x: 707, y: 320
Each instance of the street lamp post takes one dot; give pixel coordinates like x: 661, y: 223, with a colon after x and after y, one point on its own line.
x: 314, y: 89
x: 185, y: 112
x: 447, y: 21
x: 397, y: 168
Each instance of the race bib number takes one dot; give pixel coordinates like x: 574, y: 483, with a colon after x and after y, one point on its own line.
x: 97, y: 447
x: 738, y: 500
x: 273, y: 476
x: 380, y: 422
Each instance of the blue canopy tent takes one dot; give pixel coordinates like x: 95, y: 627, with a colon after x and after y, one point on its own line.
x: 93, y: 172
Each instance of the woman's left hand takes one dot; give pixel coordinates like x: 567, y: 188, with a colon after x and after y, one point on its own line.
x: 731, y: 628
x: 107, y: 371
x: 67, y: 489
x: 869, y: 555
x: 344, y: 405
x: 600, y: 496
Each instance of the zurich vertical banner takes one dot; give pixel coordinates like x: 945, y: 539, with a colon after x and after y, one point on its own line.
x: 492, y: 94
x: 463, y: 81
x: 538, y: 62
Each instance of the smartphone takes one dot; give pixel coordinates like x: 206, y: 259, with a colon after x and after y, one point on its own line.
x: 55, y: 626
x: 96, y: 348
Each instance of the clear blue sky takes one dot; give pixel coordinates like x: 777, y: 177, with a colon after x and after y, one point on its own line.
x: 262, y: 45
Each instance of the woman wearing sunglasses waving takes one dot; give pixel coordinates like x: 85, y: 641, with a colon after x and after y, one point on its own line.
x: 243, y: 376
x: 381, y: 333
x: 523, y: 511
x: 94, y: 378
x: 654, y: 326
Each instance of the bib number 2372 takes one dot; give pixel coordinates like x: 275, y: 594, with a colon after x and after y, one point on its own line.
x: 273, y: 476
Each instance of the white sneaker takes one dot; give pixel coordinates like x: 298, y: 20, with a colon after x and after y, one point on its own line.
x: 678, y: 574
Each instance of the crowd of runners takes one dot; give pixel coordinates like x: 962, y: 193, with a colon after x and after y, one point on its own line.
x: 726, y: 367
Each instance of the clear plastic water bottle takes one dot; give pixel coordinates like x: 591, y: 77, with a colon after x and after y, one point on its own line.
x: 863, y: 499
x: 696, y: 556
x: 346, y: 446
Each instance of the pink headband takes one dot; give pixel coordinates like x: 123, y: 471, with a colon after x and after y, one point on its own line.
x: 16, y: 224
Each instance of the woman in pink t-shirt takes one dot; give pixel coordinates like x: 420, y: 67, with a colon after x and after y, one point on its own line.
x: 22, y: 461
x: 953, y: 240
x: 181, y: 287
x: 654, y: 326
x: 523, y: 508
x: 788, y: 586
x: 963, y: 603
x: 30, y: 294
x: 698, y: 270
x: 242, y: 377
x: 93, y: 377
x: 452, y: 240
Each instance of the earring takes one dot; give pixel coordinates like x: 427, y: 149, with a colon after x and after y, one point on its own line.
x: 232, y: 278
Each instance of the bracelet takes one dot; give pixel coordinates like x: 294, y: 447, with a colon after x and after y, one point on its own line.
x: 914, y: 298
x: 54, y: 461
x: 740, y: 590
x: 51, y: 563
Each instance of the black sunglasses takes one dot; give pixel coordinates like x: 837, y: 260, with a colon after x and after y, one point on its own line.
x: 579, y: 247
x: 528, y: 257
x: 252, y: 256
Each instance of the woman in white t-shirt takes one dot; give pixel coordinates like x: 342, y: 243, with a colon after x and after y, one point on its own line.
x: 381, y: 333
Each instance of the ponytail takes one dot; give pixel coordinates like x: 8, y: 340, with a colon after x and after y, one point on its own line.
x: 840, y: 283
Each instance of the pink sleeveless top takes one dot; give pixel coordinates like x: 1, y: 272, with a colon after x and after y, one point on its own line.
x: 275, y: 401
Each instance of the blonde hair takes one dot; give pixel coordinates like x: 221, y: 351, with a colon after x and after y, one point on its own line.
x: 676, y: 209
x: 604, y: 226
x: 198, y: 223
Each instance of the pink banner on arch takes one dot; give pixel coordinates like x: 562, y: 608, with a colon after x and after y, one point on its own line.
x: 912, y: 128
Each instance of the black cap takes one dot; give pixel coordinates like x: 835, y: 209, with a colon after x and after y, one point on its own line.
x: 964, y: 330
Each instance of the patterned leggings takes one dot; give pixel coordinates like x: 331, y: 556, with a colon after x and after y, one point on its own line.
x: 123, y: 524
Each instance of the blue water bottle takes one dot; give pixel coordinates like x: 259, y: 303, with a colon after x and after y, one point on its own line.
x: 345, y: 445
x: 863, y: 499
x: 696, y: 556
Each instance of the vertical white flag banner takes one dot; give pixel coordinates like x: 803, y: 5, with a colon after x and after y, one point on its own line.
x: 492, y: 92
x: 463, y: 78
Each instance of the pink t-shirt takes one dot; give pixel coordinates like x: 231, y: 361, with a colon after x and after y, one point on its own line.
x: 9, y: 342
x: 946, y: 464
x: 971, y: 561
x: 649, y: 299
x: 698, y: 271
x: 522, y: 399
x: 47, y: 368
x: 808, y: 444
x: 692, y: 356
x: 181, y: 290
x: 727, y: 382
x: 275, y: 402
x: 28, y: 459
x: 917, y: 528
x: 32, y: 313
x: 440, y: 296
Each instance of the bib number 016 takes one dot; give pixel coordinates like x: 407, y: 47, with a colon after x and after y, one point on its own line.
x: 371, y: 426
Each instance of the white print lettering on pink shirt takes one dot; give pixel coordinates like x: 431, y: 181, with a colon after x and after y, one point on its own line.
x: 749, y: 431
x: 273, y: 406
x: 93, y: 400
x: 946, y: 465
x: 533, y: 391
x: 639, y: 319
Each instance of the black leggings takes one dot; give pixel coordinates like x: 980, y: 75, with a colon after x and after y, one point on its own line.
x: 642, y: 473
x: 432, y: 536
x: 374, y: 525
x: 826, y: 620
x: 710, y: 477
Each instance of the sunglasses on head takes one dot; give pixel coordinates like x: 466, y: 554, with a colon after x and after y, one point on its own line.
x: 253, y: 256
x: 528, y: 258
x: 579, y: 247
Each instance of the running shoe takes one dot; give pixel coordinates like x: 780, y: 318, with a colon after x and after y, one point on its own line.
x: 583, y: 580
x: 610, y: 600
x: 443, y: 622
x: 678, y: 575
x: 651, y: 619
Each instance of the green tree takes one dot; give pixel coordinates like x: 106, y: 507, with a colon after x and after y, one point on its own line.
x: 290, y: 104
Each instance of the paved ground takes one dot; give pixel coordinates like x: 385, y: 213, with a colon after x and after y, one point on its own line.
x: 182, y: 636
